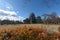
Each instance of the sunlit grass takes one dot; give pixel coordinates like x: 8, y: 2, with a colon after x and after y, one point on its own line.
x: 28, y: 33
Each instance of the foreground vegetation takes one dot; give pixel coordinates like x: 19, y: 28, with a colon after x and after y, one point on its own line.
x: 28, y: 33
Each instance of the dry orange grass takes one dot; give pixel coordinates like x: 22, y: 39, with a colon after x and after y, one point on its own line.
x: 29, y: 32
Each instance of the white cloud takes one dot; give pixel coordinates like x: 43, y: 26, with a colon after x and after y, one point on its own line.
x: 10, y: 15
x: 8, y: 12
x: 19, y: 18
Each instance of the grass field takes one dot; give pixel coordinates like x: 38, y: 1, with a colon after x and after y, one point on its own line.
x: 29, y: 32
x: 49, y: 26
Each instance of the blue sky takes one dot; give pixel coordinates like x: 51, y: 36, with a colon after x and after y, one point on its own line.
x: 22, y: 8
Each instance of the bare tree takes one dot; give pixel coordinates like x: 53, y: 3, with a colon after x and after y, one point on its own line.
x: 53, y: 17
x: 45, y: 18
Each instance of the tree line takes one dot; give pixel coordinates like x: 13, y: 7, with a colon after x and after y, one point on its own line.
x: 2, y: 22
x: 47, y: 19
x: 33, y: 19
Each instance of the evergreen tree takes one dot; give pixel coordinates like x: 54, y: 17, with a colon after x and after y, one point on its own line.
x: 32, y: 18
